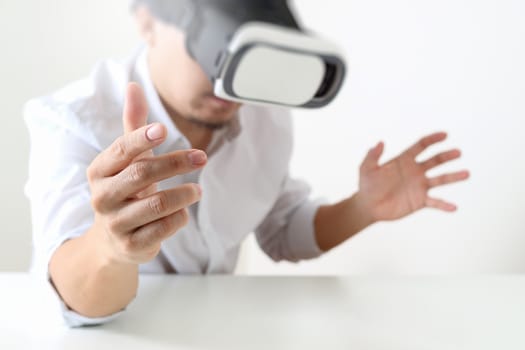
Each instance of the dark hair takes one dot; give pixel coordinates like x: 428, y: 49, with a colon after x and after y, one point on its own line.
x: 136, y: 3
x: 161, y: 9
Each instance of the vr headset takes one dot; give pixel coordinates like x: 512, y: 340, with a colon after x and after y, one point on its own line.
x: 254, y: 51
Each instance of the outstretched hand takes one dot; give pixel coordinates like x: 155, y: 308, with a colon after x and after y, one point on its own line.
x: 400, y: 187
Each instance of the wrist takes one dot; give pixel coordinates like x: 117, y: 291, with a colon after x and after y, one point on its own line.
x: 104, y: 255
x: 339, y: 222
x: 362, y: 210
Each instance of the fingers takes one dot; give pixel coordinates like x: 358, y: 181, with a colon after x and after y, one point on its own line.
x: 424, y: 143
x: 440, y: 205
x: 448, y: 179
x: 125, y: 149
x: 135, y: 112
x: 371, y: 160
x: 152, y: 234
x: 440, y: 159
x: 114, y: 191
x: 155, y: 207
x: 445, y: 180
x: 147, y: 171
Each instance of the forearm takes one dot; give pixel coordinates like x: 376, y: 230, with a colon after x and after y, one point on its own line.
x: 334, y: 224
x: 89, y: 282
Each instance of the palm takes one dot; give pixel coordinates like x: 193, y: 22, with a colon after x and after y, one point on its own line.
x: 400, y: 187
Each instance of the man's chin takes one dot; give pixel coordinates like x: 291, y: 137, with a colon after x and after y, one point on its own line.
x: 208, y: 124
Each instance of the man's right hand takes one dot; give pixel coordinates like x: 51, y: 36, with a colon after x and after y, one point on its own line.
x: 96, y: 274
x: 132, y: 218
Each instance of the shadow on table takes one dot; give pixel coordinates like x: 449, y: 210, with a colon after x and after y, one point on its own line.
x: 227, y: 313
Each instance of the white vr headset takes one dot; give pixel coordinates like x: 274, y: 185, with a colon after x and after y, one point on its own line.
x: 254, y: 51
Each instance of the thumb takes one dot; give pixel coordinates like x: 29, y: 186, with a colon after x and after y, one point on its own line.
x: 371, y: 161
x: 135, y: 113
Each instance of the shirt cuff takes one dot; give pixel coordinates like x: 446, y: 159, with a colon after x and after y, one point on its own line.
x: 301, y: 232
x: 74, y: 320
x: 71, y: 318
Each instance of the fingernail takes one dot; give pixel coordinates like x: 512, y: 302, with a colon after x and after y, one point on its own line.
x: 198, y: 188
x: 156, y: 132
x: 197, y: 157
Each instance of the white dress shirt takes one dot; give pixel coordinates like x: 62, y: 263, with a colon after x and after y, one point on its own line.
x: 246, y: 185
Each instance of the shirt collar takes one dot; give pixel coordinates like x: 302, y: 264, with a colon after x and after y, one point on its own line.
x: 234, y: 127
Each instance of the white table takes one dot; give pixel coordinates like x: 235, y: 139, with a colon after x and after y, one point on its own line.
x: 174, y: 312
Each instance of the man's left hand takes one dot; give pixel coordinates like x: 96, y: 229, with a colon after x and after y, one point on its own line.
x: 400, y: 187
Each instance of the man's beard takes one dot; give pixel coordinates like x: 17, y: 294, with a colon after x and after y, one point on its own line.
x: 194, y: 120
x: 207, y: 125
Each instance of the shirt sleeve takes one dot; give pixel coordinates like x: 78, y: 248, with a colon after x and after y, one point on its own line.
x: 57, y: 189
x: 287, y: 232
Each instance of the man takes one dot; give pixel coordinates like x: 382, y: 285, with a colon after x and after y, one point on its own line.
x: 141, y: 168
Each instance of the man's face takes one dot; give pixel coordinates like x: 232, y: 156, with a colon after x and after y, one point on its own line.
x: 181, y: 82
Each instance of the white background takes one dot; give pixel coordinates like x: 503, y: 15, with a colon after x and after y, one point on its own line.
x: 418, y: 66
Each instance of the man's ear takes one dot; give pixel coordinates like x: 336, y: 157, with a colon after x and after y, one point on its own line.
x: 145, y: 24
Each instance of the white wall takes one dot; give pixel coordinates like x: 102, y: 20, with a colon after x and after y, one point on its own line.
x: 421, y: 66
x: 44, y: 45
x: 417, y: 66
